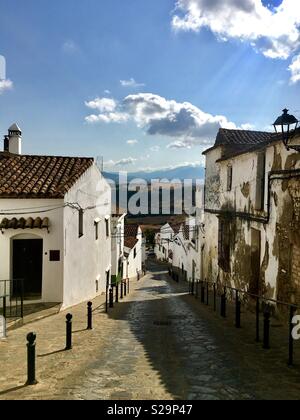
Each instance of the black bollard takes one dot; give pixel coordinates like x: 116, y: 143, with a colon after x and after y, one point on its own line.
x: 291, y: 339
x: 267, y: 317
x: 202, y: 292
x: 117, y: 292
x: 257, y: 320
x: 237, y: 311
x: 69, y: 318
x: 111, y: 297
x: 197, y: 289
x: 122, y: 292
x: 125, y: 288
x: 207, y: 293
x: 90, y: 316
x: 215, y: 297
x: 106, y: 298
x: 31, y: 380
x: 223, y: 305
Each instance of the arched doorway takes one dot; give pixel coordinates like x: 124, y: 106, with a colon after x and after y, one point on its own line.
x: 27, y: 264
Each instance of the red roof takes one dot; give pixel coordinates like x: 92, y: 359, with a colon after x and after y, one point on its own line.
x: 131, y: 233
x: 39, y: 176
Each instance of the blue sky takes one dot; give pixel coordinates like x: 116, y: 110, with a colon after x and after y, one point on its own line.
x: 64, y: 57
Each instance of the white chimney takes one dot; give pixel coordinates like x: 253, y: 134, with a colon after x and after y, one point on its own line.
x: 13, y: 142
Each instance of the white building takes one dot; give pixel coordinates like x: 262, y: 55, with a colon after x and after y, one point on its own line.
x: 55, y: 225
x: 117, y: 247
x: 252, y: 214
x: 133, y: 251
x: 180, y: 246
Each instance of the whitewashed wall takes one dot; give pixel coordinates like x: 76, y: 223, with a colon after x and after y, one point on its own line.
x: 117, y: 242
x: 86, y: 260
x: 52, y: 289
x: 134, y: 265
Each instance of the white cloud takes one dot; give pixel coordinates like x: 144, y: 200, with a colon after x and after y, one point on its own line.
x: 295, y: 70
x: 131, y: 83
x: 184, y: 122
x: 177, y: 145
x: 102, y: 104
x: 196, y: 164
x: 70, y: 47
x: 108, y: 111
x: 132, y: 142
x: 155, y: 149
x: 274, y: 32
x: 5, y: 85
x: 247, y: 126
x: 121, y: 162
x: 111, y: 117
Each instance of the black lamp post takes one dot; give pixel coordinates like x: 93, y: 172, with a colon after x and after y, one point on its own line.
x: 287, y: 125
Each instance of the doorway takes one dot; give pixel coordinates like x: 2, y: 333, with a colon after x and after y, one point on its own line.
x: 28, y: 265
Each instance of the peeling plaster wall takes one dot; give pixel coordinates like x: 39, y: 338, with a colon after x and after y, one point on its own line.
x: 280, y: 238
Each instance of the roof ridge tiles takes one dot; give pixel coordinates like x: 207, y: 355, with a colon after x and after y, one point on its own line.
x: 38, y: 175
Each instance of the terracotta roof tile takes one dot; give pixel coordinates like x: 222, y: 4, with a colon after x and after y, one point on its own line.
x: 130, y: 242
x: 237, y: 142
x: 22, y: 223
x: 39, y: 176
x: 130, y: 233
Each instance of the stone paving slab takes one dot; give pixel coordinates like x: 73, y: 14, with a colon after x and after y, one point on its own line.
x: 158, y: 343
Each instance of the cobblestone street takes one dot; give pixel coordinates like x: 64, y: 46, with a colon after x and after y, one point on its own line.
x: 158, y: 343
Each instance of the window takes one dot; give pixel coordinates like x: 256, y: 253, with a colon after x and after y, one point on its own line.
x: 96, y: 223
x: 229, y: 177
x: 107, y: 227
x: 260, y: 181
x: 134, y: 253
x: 80, y: 233
x: 224, y: 245
x: 54, y: 256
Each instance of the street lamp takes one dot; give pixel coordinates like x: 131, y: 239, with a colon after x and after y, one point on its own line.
x: 287, y: 125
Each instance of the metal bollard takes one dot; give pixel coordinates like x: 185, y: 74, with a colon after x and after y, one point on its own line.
x: 31, y: 380
x: 237, y: 311
x: 90, y: 316
x: 122, y: 292
x: 291, y: 339
x: 69, y: 318
x: 267, y: 317
x: 117, y: 292
x: 207, y: 293
x: 125, y: 288
x: 193, y: 287
x: 223, y: 305
x: 215, y: 297
x: 111, y: 297
x: 257, y: 321
x: 197, y: 289
x: 106, y: 298
x: 202, y: 292
x: 4, y: 307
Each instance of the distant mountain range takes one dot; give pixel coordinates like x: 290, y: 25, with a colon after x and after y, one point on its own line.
x: 181, y: 173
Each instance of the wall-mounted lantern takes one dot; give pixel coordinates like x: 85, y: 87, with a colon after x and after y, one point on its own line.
x: 286, y: 125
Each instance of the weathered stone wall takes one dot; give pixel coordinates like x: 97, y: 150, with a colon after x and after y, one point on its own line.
x: 279, y: 259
